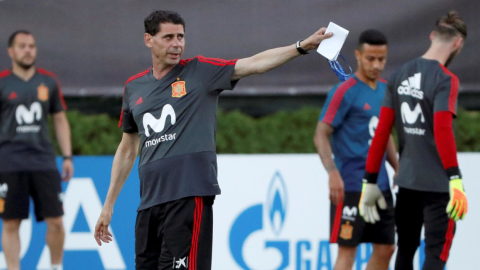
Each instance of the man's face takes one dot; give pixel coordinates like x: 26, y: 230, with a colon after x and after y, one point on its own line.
x: 168, y: 44
x: 371, y: 60
x: 23, y: 51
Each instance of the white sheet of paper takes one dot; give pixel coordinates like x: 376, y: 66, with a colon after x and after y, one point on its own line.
x: 330, y: 47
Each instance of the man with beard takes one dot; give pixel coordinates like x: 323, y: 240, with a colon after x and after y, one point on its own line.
x: 350, y: 116
x: 28, y: 168
x: 421, y: 98
x: 171, y: 111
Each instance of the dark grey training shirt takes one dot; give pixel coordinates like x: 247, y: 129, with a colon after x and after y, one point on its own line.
x: 176, y: 119
x: 416, y: 91
x: 24, y: 107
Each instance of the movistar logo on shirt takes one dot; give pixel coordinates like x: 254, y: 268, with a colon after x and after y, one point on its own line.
x: 158, y: 125
x: 411, y: 86
x: 411, y: 117
x: 25, y: 117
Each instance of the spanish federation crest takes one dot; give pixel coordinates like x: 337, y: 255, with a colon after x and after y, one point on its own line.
x: 178, y: 89
x: 42, y: 92
x: 347, y: 231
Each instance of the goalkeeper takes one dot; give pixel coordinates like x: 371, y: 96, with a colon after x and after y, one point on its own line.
x: 421, y: 98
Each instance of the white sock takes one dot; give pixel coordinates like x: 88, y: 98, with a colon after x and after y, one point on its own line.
x: 57, y: 267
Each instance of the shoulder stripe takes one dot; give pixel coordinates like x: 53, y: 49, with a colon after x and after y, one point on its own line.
x: 337, y: 99
x: 454, y: 84
x: 213, y: 61
x: 134, y: 77
x: 4, y: 73
x: 60, y: 94
x: 46, y: 72
x: 141, y: 74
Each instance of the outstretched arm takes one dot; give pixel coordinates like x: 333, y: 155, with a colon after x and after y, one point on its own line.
x: 122, y: 165
x: 270, y: 59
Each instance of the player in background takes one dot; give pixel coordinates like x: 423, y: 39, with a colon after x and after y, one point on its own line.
x: 170, y: 110
x: 421, y: 98
x: 28, y: 168
x: 349, y: 118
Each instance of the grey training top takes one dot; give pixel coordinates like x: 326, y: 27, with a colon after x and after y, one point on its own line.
x: 24, y: 107
x: 176, y: 118
x: 416, y: 91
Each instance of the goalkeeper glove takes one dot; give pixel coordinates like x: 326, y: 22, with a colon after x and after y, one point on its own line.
x: 371, y: 195
x: 457, y: 206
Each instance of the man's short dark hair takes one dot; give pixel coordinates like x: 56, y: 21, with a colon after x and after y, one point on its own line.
x: 12, y: 37
x: 153, y: 21
x: 372, y: 37
x: 450, y: 26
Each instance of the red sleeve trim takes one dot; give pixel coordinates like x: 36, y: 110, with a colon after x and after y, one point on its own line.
x: 4, y: 73
x: 213, y: 61
x: 444, y: 138
x: 452, y: 100
x: 380, y: 140
x: 337, y: 100
x: 60, y: 94
x: 134, y: 77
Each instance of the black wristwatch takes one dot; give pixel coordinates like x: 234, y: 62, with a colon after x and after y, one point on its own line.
x: 299, y: 49
x: 67, y: 157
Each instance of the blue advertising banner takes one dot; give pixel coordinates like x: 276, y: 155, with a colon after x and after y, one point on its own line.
x: 273, y: 214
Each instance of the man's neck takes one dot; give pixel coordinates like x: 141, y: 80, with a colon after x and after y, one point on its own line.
x: 161, y: 69
x: 439, y: 52
x: 366, y: 80
x: 24, y: 74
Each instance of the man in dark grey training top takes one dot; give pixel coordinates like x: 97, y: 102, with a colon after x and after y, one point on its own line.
x: 28, y: 168
x: 170, y: 109
x: 421, y: 98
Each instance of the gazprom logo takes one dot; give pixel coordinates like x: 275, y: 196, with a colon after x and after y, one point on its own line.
x: 251, y: 220
x: 159, y: 124
x: 277, y: 203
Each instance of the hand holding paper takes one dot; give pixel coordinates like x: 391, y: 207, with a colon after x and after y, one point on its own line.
x: 330, y: 48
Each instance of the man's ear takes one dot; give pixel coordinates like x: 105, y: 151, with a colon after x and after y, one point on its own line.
x: 432, y: 35
x: 148, y: 40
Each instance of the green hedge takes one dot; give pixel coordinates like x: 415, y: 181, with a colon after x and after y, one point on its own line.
x: 283, y: 132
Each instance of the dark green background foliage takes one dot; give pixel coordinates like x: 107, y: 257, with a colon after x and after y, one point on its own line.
x: 283, y: 132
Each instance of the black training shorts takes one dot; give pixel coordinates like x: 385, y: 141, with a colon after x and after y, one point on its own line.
x: 44, y: 187
x: 175, y: 235
x: 348, y: 228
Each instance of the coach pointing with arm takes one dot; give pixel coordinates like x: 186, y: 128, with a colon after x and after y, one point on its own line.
x: 170, y: 111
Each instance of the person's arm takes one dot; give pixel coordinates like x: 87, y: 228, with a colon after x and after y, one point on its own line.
x: 392, y: 155
x: 270, y: 59
x: 324, y: 149
x: 379, y: 144
x: 62, y: 131
x: 122, y: 165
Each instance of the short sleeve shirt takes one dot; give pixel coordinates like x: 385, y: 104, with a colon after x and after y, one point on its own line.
x: 176, y: 119
x: 25, y: 143
x: 416, y: 91
x: 353, y: 108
